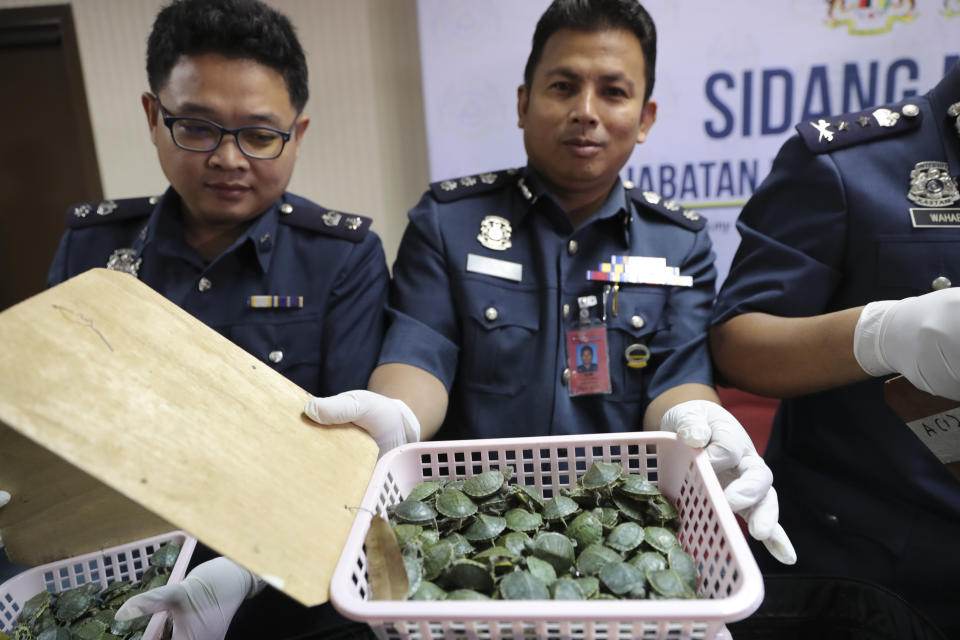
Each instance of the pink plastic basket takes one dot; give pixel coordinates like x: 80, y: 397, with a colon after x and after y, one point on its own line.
x: 123, y: 562
x: 730, y: 587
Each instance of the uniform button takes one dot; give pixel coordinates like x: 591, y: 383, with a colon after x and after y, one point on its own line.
x: 565, y: 376
x: 831, y: 519
x: 636, y: 322
x: 910, y: 110
x: 491, y: 314
x: 204, y: 284
x: 572, y: 247
x: 941, y: 282
x: 286, y: 208
x: 566, y: 310
x: 275, y: 356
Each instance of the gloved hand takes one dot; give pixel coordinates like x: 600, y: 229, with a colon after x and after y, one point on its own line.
x: 202, y: 604
x: 746, y: 479
x: 388, y: 421
x: 4, y: 499
x: 918, y: 337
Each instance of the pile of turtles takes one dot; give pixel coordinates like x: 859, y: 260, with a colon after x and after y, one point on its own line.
x: 611, y: 536
x: 87, y: 612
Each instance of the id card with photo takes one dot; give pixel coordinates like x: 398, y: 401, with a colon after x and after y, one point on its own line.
x: 588, y: 361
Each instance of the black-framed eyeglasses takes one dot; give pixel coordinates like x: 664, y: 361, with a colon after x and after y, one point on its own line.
x: 203, y: 136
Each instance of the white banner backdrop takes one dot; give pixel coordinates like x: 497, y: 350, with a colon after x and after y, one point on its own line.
x: 732, y: 80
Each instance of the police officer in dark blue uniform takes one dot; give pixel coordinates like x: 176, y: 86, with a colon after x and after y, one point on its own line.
x: 298, y: 285
x: 501, y: 277
x: 844, y: 275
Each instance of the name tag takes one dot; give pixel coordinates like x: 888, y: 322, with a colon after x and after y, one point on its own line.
x: 935, y: 217
x: 493, y: 267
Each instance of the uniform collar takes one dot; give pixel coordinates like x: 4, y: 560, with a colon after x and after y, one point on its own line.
x: 164, y: 229
x: 534, y: 190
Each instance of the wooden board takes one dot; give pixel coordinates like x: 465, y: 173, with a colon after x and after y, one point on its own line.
x: 132, y: 391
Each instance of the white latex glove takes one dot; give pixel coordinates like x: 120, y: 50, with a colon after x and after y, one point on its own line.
x: 4, y: 499
x: 918, y: 337
x: 388, y: 421
x: 746, y: 479
x: 202, y: 605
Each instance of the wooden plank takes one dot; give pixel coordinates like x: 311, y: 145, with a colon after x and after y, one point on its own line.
x: 122, y: 384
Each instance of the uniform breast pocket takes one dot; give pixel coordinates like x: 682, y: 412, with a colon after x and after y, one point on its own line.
x: 293, y: 348
x: 499, y: 338
x: 910, y: 267
x: 639, y: 318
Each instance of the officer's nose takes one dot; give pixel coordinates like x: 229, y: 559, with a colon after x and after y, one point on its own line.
x: 228, y: 155
x: 584, y: 108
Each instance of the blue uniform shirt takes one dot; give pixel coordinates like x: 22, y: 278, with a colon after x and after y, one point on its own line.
x: 830, y: 229
x: 498, y: 343
x: 295, y: 248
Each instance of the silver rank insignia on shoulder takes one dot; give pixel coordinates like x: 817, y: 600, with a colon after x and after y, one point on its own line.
x: 931, y: 185
x: 885, y: 117
x: 954, y: 112
x: 495, y: 233
x: 106, y: 207
x: 124, y: 260
x: 331, y: 218
x: 83, y: 210
x: 823, y: 127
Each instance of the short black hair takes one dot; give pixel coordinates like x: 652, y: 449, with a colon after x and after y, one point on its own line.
x: 586, y: 347
x: 596, y: 15
x: 245, y: 29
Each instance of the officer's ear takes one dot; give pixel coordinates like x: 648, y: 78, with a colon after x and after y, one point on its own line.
x: 151, y: 107
x: 299, y: 129
x: 647, y: 117
x: 523, y: 101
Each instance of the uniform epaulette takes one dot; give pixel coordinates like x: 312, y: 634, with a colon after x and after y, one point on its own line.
x: 307, y: 215
x: 687, y: 218
x: 450, y: 190
x: 839, y: 132
x: 87, y: 214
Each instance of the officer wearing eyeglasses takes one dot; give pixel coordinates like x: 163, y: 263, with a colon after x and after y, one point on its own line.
x: 300, y: 286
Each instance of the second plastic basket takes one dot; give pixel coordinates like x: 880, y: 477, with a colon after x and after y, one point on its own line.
x: 123, y: 562
x: 730, y: 586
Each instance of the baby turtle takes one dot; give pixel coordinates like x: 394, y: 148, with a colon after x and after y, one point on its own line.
x: 637, y: 487
x: 542, y: 570
x: 424, y: 490
x: 73, y: 603
x: 594, y: 558
x: 414, y: 570
x: 485, y: 528
x: 590, y: 585
x: 461, y: 546
x: 486, y: 483
x: 35, y: 606
x: 625, y: 537
x: 649, y: 561
x: 555, y: 548
x: 56, y: 633
x: 668, y: 584
x: 454, y: 503
x: 469, y: 574
x: 622, y: 578
x: 436, y: 560
x: 601, y: 475
x: 659, y: 508
x: 559, y: 508
x: 522, y: 585
x: 466, y: 594
x: 165, y: 556
x: 586, y: 529
x: 684, y: 565
x: 408, y: 537
x: 516, y: 541
x: 528, y: 496
x: 429, y: 591
x: 523, y: 520
x: 566, y: 589
x: 413, y: 512
x: 660, y: 539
